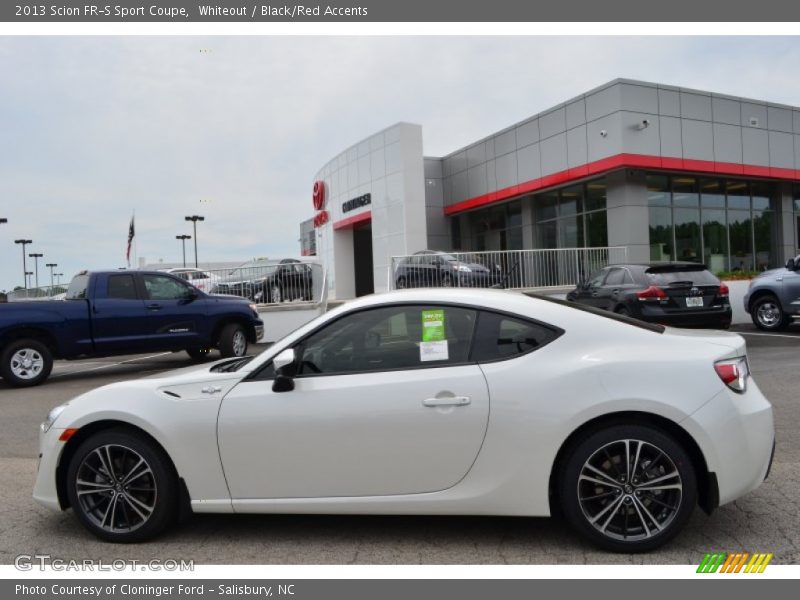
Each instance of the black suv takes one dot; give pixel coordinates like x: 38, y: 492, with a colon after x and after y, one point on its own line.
x: 291, y: 280
x: 676, y: 294
x: 431, y: 268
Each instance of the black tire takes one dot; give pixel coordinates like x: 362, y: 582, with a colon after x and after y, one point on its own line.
x: 447, y: 281
x: 401, y: 283
x: 621, y: 310
x: 232, y: 341
x: 154, y: 495
x: 199, y: 354
x: 14, y: 365
x: 650, y: 517
x: 767, y: 314
x: 276, y: 294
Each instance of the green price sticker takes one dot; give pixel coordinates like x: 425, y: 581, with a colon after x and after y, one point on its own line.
x: 433, y: 325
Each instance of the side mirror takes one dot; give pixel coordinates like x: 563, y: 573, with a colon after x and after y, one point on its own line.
x: 791, y: 265
x: 284, y: 374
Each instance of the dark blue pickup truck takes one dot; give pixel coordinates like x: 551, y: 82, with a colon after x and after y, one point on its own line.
x: 107, y: 313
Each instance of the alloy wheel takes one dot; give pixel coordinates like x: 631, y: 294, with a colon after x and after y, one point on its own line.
x: 239, y: 343
x: 768, y: 314
x: 630, y: 490
x: 116, y: 488
x: 27, y: 363
x: 275, y: 293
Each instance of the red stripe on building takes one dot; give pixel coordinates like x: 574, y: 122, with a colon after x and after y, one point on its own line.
x: 364, y: 217
x: 620, y: 161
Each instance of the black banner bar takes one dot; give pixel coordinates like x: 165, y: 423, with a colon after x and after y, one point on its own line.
x: 182, y: 11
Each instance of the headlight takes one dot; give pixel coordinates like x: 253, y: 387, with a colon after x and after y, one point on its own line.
x: 254, y: 308
x: 51, y: 417
x: 463, y: 269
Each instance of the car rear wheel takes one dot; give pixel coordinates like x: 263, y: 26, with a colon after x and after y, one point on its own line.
x: 25, y: 363
x: 401, y: 283
x: 768, y: 315
x: 621, y: 310
x: 447, y: 281
x: 628, y: 488
x: 233, y: 341
x: 275, y: 294
x: 122, y: 486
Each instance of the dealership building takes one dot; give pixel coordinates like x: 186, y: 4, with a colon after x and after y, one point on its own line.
x: 668, y: 173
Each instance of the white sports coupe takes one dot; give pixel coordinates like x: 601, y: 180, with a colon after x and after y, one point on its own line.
x: 468, y: 402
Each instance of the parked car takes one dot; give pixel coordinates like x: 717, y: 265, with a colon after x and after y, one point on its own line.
x: 108, y: 313
x: 290, y: 280
x: 382, y: 406
x: 433, y: 268
x: 773, y: 298
x: 202, y: 280
x: 245, y: 281
x: 676, y: 294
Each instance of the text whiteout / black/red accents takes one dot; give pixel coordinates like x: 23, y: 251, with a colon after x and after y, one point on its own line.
x: 364, y: 200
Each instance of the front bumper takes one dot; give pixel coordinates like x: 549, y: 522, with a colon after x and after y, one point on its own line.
x: 45, y: 491
x: 736, y: 434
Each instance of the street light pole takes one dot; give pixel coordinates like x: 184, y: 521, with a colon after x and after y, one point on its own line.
x: 58, y: 278
x: 183, y: 239
x: 36, y: 256
x: 194, y: 219
x: 24, y: 263
x: 51, y: 265
x: 27, y: 274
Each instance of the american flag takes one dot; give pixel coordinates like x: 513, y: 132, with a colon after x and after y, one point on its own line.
x: 131, y: 234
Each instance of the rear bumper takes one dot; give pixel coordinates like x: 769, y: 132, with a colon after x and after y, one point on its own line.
x: 736, y: 434
x: 712, y: 317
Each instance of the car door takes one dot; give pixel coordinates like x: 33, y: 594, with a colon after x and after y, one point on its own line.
x: 119, y: 316
x: 176, y: 312
x: 378, y: 408
x: 608, y: 293
x: 790, y: 291
x: 588, y: 294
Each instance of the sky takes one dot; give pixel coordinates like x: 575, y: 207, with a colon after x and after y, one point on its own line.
x: 93, y: 129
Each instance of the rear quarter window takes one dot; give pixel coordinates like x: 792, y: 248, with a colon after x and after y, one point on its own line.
x: 500, y: 337
x: 77, y: 288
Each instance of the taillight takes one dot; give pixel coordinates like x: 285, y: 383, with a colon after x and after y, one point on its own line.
x: 734, y: 373
x: 723, y: 290
x: 652, y: 293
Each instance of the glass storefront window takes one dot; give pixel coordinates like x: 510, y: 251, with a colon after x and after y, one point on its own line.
x: 595, y: 197
x: 570, y: 231
x: 660, y: 234
x: 596, y: 234
x: 571, y: 201
x: 728, y: 225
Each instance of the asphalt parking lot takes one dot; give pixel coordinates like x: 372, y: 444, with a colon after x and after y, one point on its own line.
x: 767, y: 520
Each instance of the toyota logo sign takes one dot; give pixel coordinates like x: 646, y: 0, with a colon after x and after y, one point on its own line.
x: 318, y: 199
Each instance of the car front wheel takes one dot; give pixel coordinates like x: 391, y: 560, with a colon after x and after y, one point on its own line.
x: 628, y: 488
x: 768, y: 315
x: 122, y: 487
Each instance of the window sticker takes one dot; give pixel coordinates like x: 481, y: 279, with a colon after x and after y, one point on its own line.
x: 434, y: 344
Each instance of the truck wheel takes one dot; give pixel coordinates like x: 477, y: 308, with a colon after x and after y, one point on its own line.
x: 232, y: 341
x: 25, y: 363
x: 768, y: 315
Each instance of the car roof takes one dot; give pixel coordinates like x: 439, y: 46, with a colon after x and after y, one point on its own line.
x: 673, y: 265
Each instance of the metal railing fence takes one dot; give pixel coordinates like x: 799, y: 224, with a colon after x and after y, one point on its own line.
x: 511, y: 269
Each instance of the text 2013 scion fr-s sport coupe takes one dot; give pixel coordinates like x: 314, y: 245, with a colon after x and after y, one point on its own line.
x: 470, y: 402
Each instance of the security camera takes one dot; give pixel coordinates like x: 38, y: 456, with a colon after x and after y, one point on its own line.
x: 603, y: 133
x: 644, y: 124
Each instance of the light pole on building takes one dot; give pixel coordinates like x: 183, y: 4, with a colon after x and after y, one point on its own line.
x: 183, y: 239
x: 24, y: 262
x: 36, y: 256
x: 194, y: 219
x: 51, y: 265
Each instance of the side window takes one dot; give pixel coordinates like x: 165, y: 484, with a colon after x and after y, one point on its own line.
x: 615, y: 277
x: 597, y: 279
x: 389, y: 338
x: 501, y: 337
x: 628, y: 277
x: 122, y: 287
x: 164, y: 288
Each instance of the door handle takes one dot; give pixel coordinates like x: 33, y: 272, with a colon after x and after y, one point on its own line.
x: 153, y: 307
x: 595, y: 294
x: 615, y: 291
x: 447, y: 401
x: 211, y: 389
